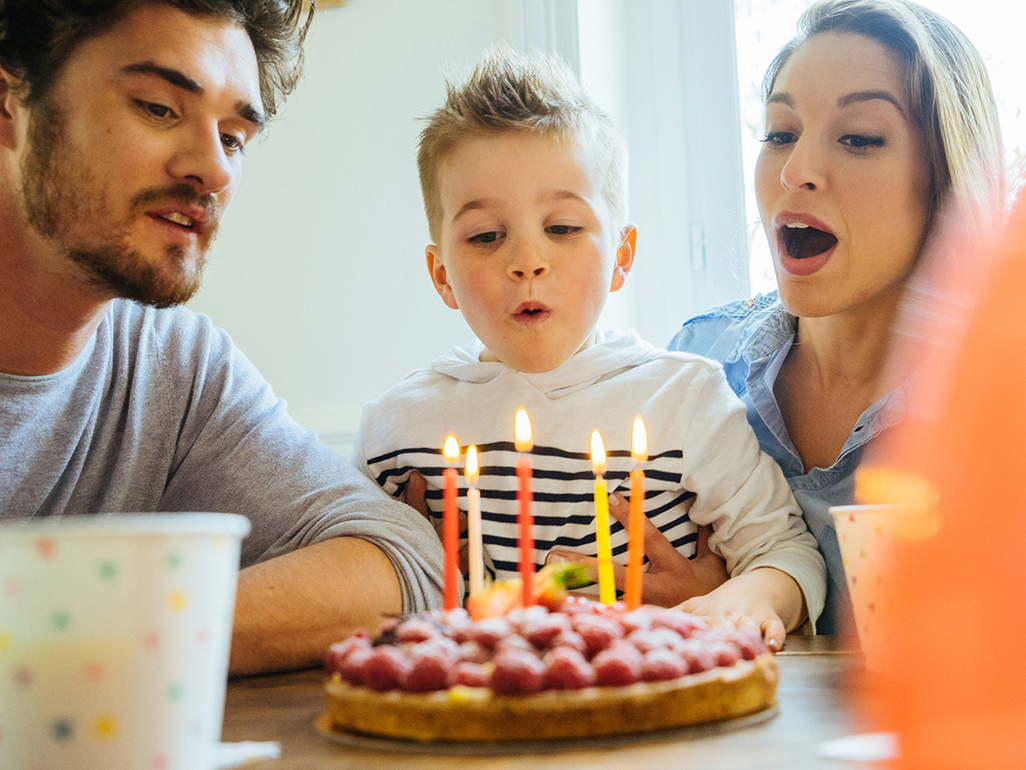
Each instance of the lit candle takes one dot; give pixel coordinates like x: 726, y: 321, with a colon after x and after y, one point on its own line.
x: 524, y: 442
x: 636, y: 522
x: 474, y: 522
x: 607, y: 591
x: 450, y: 522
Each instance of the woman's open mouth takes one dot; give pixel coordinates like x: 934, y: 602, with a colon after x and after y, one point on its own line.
x: 802, y: 241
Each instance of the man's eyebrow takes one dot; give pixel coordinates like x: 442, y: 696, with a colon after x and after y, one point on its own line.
x: 179, y: 79
x: 868, y: 96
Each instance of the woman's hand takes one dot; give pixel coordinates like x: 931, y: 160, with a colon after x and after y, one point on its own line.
x: 414, y: 494
x: 671, y: 577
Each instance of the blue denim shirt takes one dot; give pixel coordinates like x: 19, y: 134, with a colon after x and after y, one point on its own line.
x: 751, y: 338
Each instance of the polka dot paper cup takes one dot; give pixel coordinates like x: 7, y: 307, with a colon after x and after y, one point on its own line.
x: 866, y: 535
x: 115, y: 631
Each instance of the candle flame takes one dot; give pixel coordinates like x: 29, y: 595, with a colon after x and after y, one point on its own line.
x: 639, y: 440
x: 598, y: 453
x: 451, y: 449
x: 472, y: 467
x: 522, y: 431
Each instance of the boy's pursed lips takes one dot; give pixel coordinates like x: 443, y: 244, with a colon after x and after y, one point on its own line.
x: 531, y: 312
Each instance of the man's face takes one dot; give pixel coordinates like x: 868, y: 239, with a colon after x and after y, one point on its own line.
x: 135, y: 152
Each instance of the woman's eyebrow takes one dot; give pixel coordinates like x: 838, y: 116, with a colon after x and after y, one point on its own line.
x: 868, y: 96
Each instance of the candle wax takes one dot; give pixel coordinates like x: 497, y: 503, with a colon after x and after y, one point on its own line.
x: 450, y: 538
x: 474, y: 538
x: 636, y: 540
x: 607, y: 590
x: 525, y: 519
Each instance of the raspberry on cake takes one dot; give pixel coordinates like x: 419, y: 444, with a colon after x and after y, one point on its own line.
x: 582, y: 670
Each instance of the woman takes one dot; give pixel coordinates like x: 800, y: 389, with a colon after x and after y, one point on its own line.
x: 879, y: 116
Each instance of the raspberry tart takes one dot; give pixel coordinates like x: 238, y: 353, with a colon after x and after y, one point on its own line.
x: 576, y: 669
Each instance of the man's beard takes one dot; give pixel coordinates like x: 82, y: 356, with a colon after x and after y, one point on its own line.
x: 59, y: 191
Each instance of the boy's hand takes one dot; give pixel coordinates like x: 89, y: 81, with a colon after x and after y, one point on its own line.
x: 671, y: 577
x: 414, y: 494
x: 758, y: 598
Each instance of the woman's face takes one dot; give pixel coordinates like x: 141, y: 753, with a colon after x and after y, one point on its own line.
x: 842, y: 180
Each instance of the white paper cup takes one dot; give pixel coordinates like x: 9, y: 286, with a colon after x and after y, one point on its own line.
x: 115, y: 631
x: 866, y: 535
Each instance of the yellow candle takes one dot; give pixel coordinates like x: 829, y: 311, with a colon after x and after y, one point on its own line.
x: 636, y: 522
x: 474, y: 522
x: 607, y: 591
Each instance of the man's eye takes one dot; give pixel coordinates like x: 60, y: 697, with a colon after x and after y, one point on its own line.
x: 232, y: 143
x: 489, y: 237
x: 156, y: 110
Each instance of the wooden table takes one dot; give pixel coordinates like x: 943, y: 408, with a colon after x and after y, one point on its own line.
x: 812, y: 709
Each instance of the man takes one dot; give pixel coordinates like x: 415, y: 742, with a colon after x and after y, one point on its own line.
x: 122, y: 128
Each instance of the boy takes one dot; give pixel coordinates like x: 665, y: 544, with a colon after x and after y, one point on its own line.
x: 524, y: 183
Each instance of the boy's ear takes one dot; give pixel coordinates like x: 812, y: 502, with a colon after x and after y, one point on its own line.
x: 624, y: 256
x: 438, y: 276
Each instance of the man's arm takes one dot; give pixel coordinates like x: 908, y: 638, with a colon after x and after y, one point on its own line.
x: 291, y: 608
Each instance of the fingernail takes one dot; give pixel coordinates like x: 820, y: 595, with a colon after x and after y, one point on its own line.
x: 555, y: 558
x: 616, y: 498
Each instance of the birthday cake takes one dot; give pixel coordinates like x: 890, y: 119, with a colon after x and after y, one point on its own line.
x: 574, y: 669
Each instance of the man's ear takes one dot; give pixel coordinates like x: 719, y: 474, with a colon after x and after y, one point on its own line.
x: 8, y: 108
x: 624, y: 256
x: 438, y: 276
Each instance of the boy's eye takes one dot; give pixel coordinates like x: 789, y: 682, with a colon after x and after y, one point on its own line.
x: 563, y: 229
x: 489, y: 237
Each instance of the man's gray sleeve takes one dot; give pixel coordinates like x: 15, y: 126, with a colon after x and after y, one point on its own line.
x: 239, y: 451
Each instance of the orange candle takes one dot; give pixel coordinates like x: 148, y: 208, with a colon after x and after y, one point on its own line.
x: 450, y: 523
x: 636, y: 522
x: 525, y: 518
x: 607, y: 590
x: 474, y: 522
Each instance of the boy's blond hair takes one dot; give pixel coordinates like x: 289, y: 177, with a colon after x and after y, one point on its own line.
x: 508, y: 91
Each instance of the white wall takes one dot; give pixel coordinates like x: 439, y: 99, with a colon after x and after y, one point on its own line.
x: 319, y: 272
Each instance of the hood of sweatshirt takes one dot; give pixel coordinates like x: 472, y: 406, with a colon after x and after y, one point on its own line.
x: 612, y: 353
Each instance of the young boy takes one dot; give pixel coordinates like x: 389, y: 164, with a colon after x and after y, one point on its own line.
x: 524, y: 182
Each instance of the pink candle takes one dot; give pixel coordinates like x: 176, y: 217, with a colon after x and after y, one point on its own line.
x: 525, y: 519
x: 450, y: 524
x: 636, y: 522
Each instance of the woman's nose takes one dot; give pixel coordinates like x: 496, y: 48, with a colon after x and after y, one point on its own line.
x: 803, y: 168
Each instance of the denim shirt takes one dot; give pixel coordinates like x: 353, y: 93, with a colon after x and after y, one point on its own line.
x: 751, y: 338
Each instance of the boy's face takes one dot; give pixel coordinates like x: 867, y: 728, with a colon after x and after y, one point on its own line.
x: 528, y: 252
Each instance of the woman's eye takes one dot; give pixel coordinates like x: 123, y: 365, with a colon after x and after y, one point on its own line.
x: 857, y: 141
x: 563, y: 229
x: 489, y: 237
x: 779, y: 138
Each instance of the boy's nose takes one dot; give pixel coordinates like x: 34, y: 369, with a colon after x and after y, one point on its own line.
x: 527, y: 262
x: 202, y: 162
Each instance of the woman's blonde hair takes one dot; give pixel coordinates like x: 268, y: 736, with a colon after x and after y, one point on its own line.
x: 948, y: 92
x: 511, y: 92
